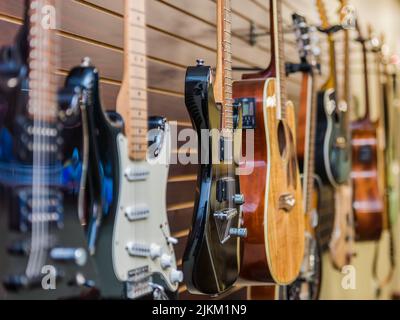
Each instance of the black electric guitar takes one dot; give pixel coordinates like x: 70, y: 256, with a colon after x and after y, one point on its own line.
x: 333, y: 155
x: 43, y: 245
x: 93, y: 134
x: 212, y: 256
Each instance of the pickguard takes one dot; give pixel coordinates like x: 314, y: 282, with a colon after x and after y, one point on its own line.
x: 140, y: 248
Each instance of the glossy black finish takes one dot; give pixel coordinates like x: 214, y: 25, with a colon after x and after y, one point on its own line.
x: 209, y: 266
x: 73, y: 281
x: 337, y: 137
x: 102, y: 185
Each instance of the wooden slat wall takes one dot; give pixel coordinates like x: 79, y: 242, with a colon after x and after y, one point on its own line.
x: 179, y: 31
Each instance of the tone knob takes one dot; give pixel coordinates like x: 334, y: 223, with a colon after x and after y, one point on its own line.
x: 155, y: 251
x: 172, y: 240
x: 166, y: 261
x: 176, y: 276
x: 238, y: 232
x: 238, y: 199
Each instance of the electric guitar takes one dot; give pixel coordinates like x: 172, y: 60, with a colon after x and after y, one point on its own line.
x: 44, y: 253
x: 308, y: 283
x: 273, y: 213
x: 341, y: 245
x: 96, y: 164
x: 142, y: 251
x: 368, y: 201
x: 333, y: 160
x: 212, y: 256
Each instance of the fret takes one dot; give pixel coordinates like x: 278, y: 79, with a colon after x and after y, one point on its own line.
x: 136, y: 47
x: 310, y: 141
x: 223, y: 79
x: 279, y: 59
x: 135, y: 105
x: 42, y: 65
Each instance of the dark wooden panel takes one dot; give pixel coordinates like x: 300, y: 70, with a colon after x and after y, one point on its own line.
x: 181, y: 219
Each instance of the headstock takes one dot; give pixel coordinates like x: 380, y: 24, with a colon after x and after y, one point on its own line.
x: 347, y: 14
x: 307, y: 40
x: 323, y: 14
x: 374, y: 41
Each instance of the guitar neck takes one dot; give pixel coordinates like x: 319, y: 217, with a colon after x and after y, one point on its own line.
x: 346, y: 93
x: 42, y: 65
x: 279, y: 56
x: 309, y: 158
x: 134, y: 106
x: 223, y: 77
x: 346, y: 81
x: 366, y: 78
x: 331, y: 83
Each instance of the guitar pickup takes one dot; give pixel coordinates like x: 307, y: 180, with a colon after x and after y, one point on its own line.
x: 226, y: 149
x: 138, y: 249
x: 136, y: 213
x: 22, y: 207
x: 221, y: 190
x: 137, y: 174
x: 139, y: 283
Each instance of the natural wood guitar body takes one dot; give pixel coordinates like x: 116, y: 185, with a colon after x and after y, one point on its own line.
x: 273, y: 250
x: 341, y: 244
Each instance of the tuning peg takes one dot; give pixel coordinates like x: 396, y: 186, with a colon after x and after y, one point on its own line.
x: 200, y: 62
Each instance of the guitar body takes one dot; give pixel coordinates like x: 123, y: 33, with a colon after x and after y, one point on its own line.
x: 307, y: 286
x: 64, y: 235
x: 272, y: 214
x: 333, y: 161
x: 368, y: 203
x: 343, y: 233
x: 102, y: 183
x: 211, y: 259
x: 142, y: 250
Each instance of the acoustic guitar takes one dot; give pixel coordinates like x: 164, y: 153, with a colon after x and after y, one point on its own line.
x: 273, y: 213
x: 308, y: 283
x: 212, y: 256
x: 44, y: 248
x: 333, y: 160
x: 368, y: 201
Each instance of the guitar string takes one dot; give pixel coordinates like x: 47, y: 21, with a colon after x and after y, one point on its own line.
x: 32, y: 262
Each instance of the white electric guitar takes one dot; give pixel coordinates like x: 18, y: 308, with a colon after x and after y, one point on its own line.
x: 143, y: 254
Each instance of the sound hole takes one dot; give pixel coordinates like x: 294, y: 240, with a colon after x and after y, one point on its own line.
x: 366, y: 154
x: 282, y: 139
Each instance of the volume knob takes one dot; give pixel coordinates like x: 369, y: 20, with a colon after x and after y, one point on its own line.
x: 176, y: 276
x: 166, y: 261
x: 155, y: 251
x: 238, y: 199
